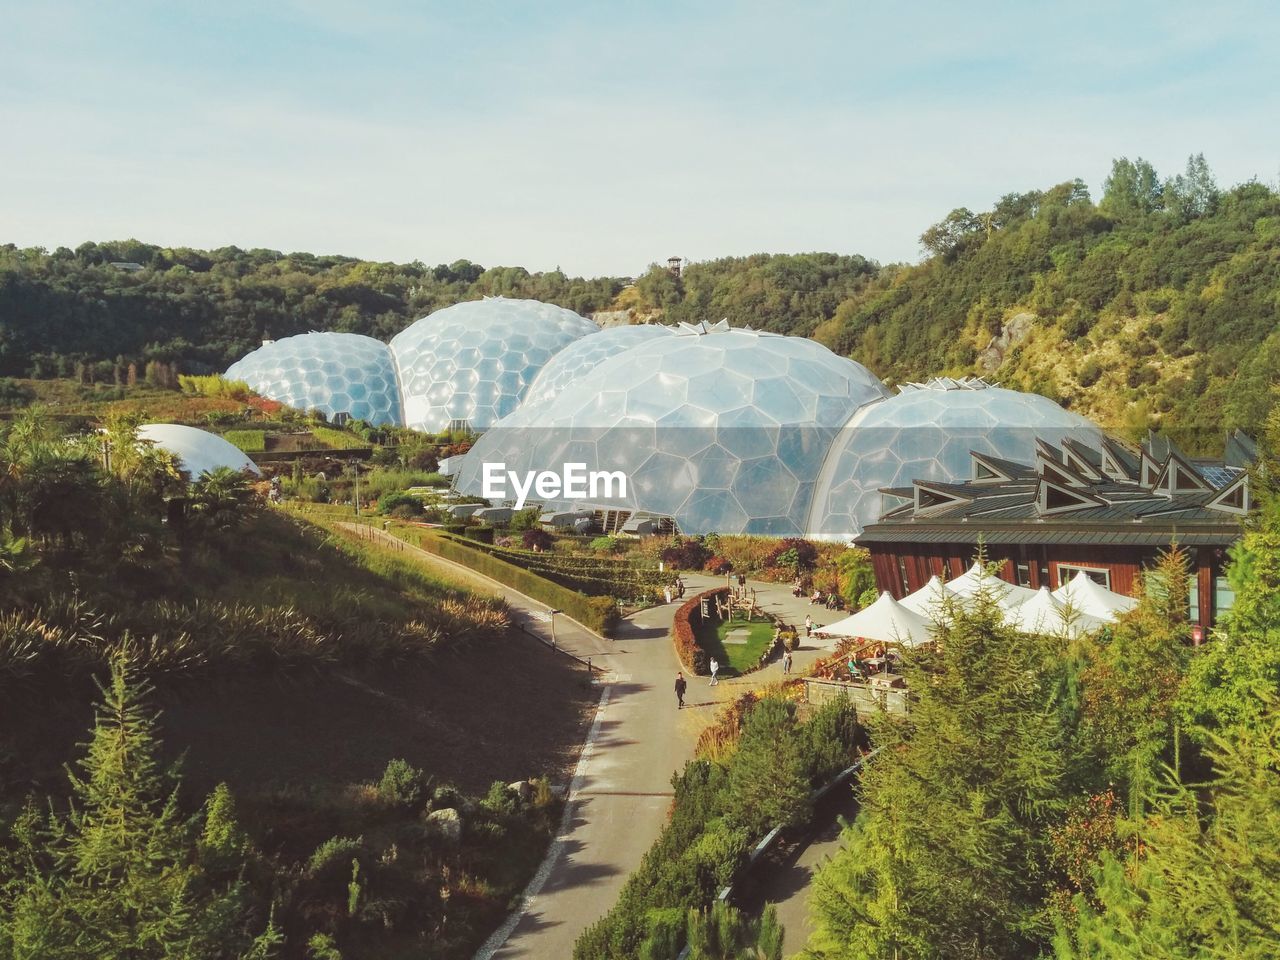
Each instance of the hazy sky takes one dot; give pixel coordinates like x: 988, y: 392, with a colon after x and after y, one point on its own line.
x: 601, y: 136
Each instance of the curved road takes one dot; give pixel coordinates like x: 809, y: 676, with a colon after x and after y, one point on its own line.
x: 621, y: 792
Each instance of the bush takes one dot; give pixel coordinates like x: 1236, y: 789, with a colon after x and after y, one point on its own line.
x: 457, y: 529
x: 793, y: 554
x: 526, y: 519
x: 402, y: 784
x: 14, y: 394
x: 605, y: 544
x: 400, y: 504
x: 537, y: 539
x: 718, y: 565
x: 480, y: 534
x: 686, y: 554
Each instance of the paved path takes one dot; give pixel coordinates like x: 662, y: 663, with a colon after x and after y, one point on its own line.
x: 622, y: 790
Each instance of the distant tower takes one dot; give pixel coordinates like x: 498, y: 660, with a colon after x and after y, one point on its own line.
x: 673, y: 266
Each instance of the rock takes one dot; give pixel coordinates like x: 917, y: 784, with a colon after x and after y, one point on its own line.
x: 614, y: 318
x: 1012, y: 333
x: 446, y: 824
x: 521, y: 788
x: 559, y: 790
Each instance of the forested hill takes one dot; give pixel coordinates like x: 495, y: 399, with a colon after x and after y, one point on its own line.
x: 205, y: 309
x: 1158, y: 305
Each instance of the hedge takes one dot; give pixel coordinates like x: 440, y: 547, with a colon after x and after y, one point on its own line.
x: 582, y: 574
x: 685, y: 636
x: 597, y: 613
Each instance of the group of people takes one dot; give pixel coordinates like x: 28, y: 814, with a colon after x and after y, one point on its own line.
x: 674, y: 590
x: 829, y: 600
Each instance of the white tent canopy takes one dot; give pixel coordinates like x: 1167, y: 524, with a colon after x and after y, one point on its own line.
x: 1093, y: 598
x: 1044, y: 613
x: 886, y: 621
x: 976, y: 579
x: 930, y: 600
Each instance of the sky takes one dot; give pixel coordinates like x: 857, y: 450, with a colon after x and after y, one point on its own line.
x: 601, y: 137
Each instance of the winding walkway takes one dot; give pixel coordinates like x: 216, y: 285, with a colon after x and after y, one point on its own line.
x: 621, y: 791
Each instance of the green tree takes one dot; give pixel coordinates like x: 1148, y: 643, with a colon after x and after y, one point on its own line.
x: 768, y: 781
x: 948, y: 855
x: 1203, y: 880
x: 119, y: 874
x: 1133, y: 673
x: 1132, y: 189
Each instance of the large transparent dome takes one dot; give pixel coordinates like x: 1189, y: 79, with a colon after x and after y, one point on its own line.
x: 198, y: 451
x: 332, y: 372
x: 472, y: 363
x: 582, y: 356
x: 926, y: 433
x: 725, y: 430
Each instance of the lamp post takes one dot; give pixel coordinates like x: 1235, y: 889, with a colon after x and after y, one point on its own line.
x: 355, y: 469
x: 551, y: 618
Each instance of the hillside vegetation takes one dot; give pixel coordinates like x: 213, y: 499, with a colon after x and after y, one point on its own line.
x: 1157, y: 305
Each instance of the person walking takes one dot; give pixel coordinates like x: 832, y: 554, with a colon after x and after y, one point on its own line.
x: 786, y: 661
x: 666, y: 592
x: 715, y: 668
x: 808, y: 625
x: 681, y: 687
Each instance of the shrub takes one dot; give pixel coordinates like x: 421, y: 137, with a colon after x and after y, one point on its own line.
x: 457, y: 529
x: 605, y: 544
x: 536, y: 538
x: 480, y: 534
x: 402, y: 784
x: 718, y: 565
x: 215, y: 386
x: 525, y: 519
x: 401, y: 502
x: 14, y: 394
x: 793, y: 554
x: 334, y: 856
x: 501, y: 799
x: 687, y: 553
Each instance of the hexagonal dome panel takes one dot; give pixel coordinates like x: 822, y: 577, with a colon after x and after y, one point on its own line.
x: 709, y: 423
x: 926, y: 433
x: 581, y: 357
x: 475, y: 361
x: 332, y: 372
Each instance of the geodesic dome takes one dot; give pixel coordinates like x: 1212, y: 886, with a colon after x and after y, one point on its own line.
x: 198, y: 451
x: 926, y: 433
x: 473, y: 362
x: 723, y: 429
x: 582, y: 356
x: 333, y: 372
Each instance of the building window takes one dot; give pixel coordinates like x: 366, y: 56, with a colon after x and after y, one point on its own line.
x: 1099, y: 575
x: 1224, y: 598
x: 1024, y: 574
x: 902, y: 575
x: 1193, y: 600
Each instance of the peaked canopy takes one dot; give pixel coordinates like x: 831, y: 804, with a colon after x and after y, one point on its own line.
x: 1093, y: 598
x: 976, y: 579
x: 929, y: 600
x: 1044, y: 613
x: 886, y: 621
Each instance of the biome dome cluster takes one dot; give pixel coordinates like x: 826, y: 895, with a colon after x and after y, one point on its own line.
x: 722, y: 429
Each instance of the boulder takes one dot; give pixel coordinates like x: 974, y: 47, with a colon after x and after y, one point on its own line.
x: 446, y: 824
x: 522, y: 789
